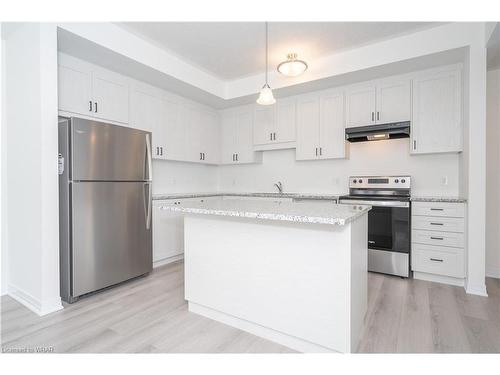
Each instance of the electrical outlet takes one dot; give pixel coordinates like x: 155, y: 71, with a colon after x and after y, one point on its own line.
x: 444, y: 180
x: 234, y: 182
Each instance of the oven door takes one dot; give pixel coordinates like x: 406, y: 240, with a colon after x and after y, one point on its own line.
x: 388, y: 236
x: 389, y: 229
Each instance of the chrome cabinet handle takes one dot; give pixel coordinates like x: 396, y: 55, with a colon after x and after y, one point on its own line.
x: 95, y: 105
x: 236, y: 157
x: 436, y: 260
x: 378, y: 115
x: 414, y: 145
x: 437, y: 209
x: 274, y: 136
x: 270, y: 136
x: 316, y: 151
x: 436, y: 223
x: 90, y: 105
x: 437, y: 238
x: 373, y: 116
x: 320, y: 151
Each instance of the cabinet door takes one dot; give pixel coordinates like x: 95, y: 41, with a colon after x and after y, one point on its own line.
x: 174, y: 131
x: 74, y: 90
x: 307, y: 128
x: 285, y: 120
x: 393, y: 102
x: 244, y: 137
x: 437, y: 113
x: 111, y: 97
x: 331, y: 126
x: 263, y: 124
x: 360, y: 107
x: 194, y: 140
x: 228, y: 137
x: 168, y: 232
x: 210, y: 137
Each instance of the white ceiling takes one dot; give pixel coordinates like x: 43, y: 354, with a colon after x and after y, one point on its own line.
x: 231, y: 50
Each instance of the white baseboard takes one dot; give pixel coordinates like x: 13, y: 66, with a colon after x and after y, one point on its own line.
x: 38, y: 307
x: 258, y: 330
x: 493, y: 272
x: 438, y: 278
x: 162, y: 262
x: 479, y: 290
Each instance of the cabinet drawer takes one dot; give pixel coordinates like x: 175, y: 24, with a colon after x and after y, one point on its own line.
x: 430, y: 237
x: 437, y: 260
x: 438, y: 209
x: 444, y: 224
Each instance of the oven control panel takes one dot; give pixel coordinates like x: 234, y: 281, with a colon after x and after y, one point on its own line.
x: 380, y: 182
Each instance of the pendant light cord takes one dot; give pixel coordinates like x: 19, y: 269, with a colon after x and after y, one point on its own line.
x: 267, y: 48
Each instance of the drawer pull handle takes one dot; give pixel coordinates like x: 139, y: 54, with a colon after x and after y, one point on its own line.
x: 437, y: 238
x: 437, y: 224
x: 437, y: 209
x: 436, y: 260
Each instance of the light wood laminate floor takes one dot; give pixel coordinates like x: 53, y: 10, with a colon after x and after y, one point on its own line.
x: 149, y: 314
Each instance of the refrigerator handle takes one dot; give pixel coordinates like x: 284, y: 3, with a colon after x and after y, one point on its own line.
x: 148, y: 156
x: 147, y: 204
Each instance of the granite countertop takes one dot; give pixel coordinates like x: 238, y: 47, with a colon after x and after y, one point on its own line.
x: 243, y: 194
x: 302, y: 212
x: 439, y: 199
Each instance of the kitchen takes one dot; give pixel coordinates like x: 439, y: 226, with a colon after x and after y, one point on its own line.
x: 252, y: 187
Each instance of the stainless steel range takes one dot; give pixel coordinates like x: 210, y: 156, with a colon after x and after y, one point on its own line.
x: 388, y: 221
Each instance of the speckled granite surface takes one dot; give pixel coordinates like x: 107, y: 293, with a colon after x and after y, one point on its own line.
x: 257, y: 195
x: 439, y: 199
x: 301, y: 212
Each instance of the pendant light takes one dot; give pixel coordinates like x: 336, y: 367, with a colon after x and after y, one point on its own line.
x: 266, y: 94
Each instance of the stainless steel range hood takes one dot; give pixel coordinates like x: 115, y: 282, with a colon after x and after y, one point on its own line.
x: 378, y: 132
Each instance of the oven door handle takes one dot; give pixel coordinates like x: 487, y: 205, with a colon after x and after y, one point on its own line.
x: 375, y: 203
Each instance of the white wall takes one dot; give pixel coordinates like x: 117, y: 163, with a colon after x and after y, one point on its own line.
x: 3, y: 178
x: 390, y: 157
x: 32, y: 180
x: 181, y: 177
x: 493, y: 174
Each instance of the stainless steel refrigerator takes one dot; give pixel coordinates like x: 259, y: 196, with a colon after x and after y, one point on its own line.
x: 104, y: 205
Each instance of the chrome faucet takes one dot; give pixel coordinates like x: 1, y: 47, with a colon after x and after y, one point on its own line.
x: 279, y: 186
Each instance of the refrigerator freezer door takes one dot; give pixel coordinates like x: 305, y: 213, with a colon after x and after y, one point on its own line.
x: 112, y: 236
x: 105, y: 152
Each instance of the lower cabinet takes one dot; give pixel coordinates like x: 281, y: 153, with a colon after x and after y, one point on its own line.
x: 168, y: 230
x: 438, y: 244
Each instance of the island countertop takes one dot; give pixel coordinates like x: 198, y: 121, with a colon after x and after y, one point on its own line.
x: 301, y: 212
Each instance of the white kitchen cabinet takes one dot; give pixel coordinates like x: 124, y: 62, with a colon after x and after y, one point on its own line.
x: 275, y: 124
x: 383, y: 102
x: 437, y: 112
x: 320, y: 126
x: 308, y: 128
x: 332, y: 125
x: 75, y: 89
x: 237, y: 136
x: 393, y: 101
x: 263, y: 124
x: 168, y: 232
x: 285, y: 127
x: 92, y: 91
x: 202, y: 144
x: 168, y: 229
x: 360, y: 106
x: 438, y: 241
x: 110, y: 94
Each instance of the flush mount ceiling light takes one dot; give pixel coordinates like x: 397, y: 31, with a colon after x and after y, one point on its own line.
x: 266, y: 94
x: 292, y: 67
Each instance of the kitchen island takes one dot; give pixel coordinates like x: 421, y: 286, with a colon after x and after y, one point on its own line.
x: 293, y: 273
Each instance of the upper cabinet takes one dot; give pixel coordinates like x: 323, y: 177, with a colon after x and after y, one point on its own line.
x: 202, y: 144
x: 237, y: 136
x: 379, y: 103
x: 274, y: 125
x: 91, y: 91
x: 437, y: 112
x: 320, y: 126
